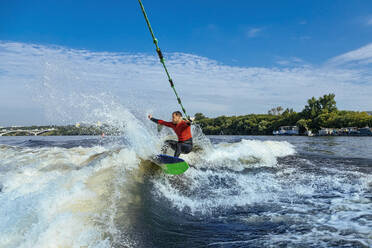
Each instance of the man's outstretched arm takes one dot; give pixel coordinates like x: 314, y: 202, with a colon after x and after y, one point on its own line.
x: 153, y: 119
x: 161, y: 122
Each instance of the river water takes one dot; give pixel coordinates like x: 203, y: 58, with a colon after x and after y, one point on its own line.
x: 243, y: 191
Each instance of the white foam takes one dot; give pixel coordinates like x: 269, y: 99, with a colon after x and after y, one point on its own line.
x: 241, y: 155
x: 63, y: 198
x: 215, y: 189
x: 210, y: 191
x: 301, y: 195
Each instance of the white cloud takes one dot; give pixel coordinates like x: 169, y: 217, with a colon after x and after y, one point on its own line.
x: 361, y: 56
x: 70, y: 84
x: 253, y: 32
x: 292, y: 61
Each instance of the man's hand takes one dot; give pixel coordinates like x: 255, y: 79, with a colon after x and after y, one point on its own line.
x: 190, y: 120
x: 149, y: 116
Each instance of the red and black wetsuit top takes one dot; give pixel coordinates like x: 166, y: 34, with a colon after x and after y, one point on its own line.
x: 182, y: 129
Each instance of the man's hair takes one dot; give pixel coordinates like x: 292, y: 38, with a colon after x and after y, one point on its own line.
x: 178, y: 113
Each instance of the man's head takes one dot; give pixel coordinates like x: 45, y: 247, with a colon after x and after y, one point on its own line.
x: 176, y: 117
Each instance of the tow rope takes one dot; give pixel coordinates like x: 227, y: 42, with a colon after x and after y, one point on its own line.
x: 162, y: 61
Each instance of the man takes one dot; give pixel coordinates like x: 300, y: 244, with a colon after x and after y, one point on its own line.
x: 182, y: 129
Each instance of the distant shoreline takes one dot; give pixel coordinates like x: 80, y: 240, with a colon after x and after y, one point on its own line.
x: 320, y: 117
x: 65, y: 131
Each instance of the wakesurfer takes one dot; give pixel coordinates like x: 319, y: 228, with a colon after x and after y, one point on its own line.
x: 183, y: 130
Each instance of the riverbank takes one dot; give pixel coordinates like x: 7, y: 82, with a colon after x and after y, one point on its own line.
x: 53, y: 130
x: 320, y: 117
x: 71, y: 130
x: 318, y: 114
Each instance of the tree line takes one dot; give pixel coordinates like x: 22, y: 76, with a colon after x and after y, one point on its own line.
x: 68, y: 130
x: 318, y: 113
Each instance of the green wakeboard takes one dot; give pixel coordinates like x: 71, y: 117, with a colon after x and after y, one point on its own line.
x: 171, y: 165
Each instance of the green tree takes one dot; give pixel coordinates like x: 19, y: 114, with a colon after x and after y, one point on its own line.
x: 279, y: 110
x: 199, y: 116
x: 315, y: 107
x: 303, y: 124
x: 275, y: 111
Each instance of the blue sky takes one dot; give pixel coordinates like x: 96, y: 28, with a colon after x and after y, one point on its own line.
x: 261, y: 54
x: 245, y: 33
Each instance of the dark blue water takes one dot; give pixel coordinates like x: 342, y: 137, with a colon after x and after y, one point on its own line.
x: 245, y: 191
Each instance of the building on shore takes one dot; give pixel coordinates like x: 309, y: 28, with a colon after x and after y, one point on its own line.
x: 325, y: 131
x: 287, y: 130
x: 346, y: 131
x: 365, y: 131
